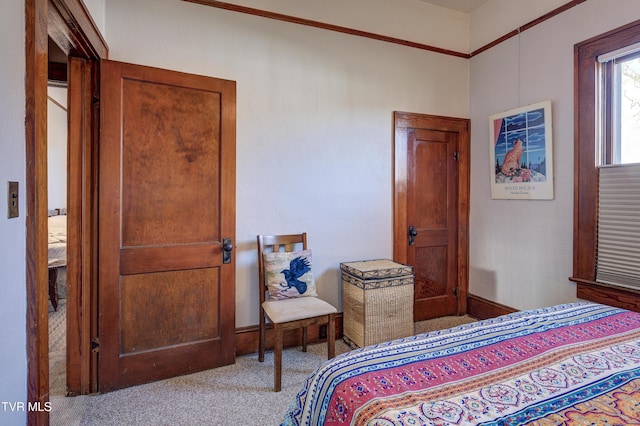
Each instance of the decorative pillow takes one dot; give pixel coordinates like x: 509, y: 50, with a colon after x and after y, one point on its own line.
x: 289, y: 274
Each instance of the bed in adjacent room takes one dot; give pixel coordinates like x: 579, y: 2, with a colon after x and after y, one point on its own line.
x: 573, y: 363
x: 57, y: 251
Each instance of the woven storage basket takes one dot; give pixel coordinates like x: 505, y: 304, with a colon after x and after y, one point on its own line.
x: 377, y: 298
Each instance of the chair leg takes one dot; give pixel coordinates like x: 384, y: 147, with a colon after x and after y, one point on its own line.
x: 261, y: 338
x: 304, y: 339
x: 331, y: 337
x: 53, y: 287
x: 277, y: 358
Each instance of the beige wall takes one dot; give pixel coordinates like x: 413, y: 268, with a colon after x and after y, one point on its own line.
x: 521, y: 251
x: 57, y: 148
x: 413, y: 20
x: 314, y: 123
x: 496, y: 18
x: 13, y: 355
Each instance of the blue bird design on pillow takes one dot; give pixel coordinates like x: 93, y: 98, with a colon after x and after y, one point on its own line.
x: 297, y: 268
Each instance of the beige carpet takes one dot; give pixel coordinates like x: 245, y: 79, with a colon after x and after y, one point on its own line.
x: 58, y: 339
x: 239, y: 394
x: 441, y: 323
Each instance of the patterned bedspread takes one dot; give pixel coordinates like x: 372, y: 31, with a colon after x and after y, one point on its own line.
x: 576, y: 363
x: 57, y: 249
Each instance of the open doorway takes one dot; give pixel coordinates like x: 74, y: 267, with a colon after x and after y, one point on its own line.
x: 69, y: 25
x: 57, y: 176
x: 57, y: 238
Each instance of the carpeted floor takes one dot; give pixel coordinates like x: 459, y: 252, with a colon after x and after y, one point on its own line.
x: 239, y: 394
x: 58, y: 339
x: 58, y: 353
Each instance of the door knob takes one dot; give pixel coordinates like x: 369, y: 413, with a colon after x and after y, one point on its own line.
x: 412, y: 235
x: 227, y: 246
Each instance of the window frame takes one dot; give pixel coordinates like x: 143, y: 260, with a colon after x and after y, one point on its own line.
x: 586, y: 174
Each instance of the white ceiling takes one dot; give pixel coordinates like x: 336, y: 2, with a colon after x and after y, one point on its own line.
x: 466, y: 6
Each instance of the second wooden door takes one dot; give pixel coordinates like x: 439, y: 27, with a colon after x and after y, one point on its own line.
x: 431, y: 210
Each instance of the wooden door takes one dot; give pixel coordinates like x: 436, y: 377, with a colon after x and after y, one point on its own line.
x: 166, y: 222
x: 432, y: 196
x: 431, y: 211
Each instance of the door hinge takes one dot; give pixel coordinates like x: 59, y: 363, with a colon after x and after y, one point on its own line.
x: 95, y: 345
x: 455, y: 291
x: 455, y: 155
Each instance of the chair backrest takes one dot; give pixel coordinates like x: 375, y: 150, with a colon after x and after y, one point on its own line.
x: 272, y: 243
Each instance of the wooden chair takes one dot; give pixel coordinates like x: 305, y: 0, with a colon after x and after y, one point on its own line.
x: 289, y: 314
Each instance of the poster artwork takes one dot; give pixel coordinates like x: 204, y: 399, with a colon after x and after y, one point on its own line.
x: 521, y: 153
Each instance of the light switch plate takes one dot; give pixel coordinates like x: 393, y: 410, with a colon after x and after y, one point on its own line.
x: 13, y: 200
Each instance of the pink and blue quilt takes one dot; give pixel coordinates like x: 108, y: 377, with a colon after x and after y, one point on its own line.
x: 575, y: 363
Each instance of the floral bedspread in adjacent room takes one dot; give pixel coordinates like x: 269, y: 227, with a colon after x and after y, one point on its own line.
x: 576, y: 363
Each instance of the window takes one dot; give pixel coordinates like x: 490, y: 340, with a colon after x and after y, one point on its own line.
x: 619, y: 104
x: 618, y: 121
x: 627, y: 140
x: 607, y: 138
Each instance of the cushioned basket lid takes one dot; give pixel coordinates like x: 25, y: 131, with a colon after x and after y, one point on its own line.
x: 376, y: 269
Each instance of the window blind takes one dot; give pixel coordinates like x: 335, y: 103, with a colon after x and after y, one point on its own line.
x: 618, y: 251
x: 618, y: 53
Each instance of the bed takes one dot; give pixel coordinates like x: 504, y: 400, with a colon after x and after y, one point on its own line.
x: 57, y: 252
x: 575, y: 363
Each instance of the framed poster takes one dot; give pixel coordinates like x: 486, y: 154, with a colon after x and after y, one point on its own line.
x: 521, y: 153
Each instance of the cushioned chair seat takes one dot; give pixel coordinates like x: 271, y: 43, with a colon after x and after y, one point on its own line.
x: 280, y: 311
